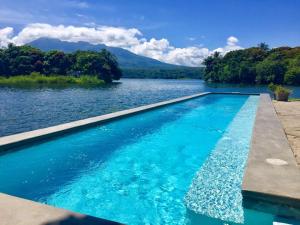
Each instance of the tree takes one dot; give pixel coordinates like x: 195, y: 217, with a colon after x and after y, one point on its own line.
x: 270, y: 72
x: 4, y: 64
x: 292, y: 76
x: 263, y: 46
x: 20, y: 60
x: 110, y: 69
x: 102, y: 64
x: 23, y: 60
x: 255, y: 65
x: 87, y: 62
x: 57, y: 62
x: 213, y: 67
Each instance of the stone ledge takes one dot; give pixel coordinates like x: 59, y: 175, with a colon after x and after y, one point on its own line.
x: 277, y: 183
x: 289, y: 115
x: 18, y: 211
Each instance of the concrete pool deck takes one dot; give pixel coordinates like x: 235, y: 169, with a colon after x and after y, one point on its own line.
x: 18, y: 211
x: 272, y: 174
x: 289, y: 115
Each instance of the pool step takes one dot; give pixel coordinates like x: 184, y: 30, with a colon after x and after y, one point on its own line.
x: 215, y: 190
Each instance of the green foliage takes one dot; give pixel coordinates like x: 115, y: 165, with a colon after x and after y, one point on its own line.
x: 292, y: 76
x: 263, y: 46
x: 281, y: 93
x: 272, y: 87
x: 279, y: 89
x: 25, y: 60
x: 37, y: 79
x: 259, y: 65
x: 294, y: 99
x: 57, y: 62
x: 268, y: 71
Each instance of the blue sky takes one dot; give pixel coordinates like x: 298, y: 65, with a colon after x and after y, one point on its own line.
x: 199, y: 24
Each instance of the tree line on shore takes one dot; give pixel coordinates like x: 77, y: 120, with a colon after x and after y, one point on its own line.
x: 256, y: 65
x: 25, y: 60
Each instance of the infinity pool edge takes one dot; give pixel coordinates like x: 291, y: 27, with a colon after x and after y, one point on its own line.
x: 15, y: 140
x: 29, y: 137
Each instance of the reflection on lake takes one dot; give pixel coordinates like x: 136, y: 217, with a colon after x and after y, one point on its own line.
x: 28, y: 109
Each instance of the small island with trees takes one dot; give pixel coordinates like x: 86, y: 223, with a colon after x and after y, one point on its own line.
x: 26, y: 65
x: 256, y: 65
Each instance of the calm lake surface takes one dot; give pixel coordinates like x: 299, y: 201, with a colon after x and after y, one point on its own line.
x: 28, y: 109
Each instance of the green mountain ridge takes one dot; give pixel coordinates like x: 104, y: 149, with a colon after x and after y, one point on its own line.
x: 132, y: 65
x: 125, y: 58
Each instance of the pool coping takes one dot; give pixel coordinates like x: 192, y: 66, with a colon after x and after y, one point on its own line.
x: 264, y: 182
x: 19, y: 211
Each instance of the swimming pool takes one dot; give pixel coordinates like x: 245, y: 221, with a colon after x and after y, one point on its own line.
x: 179, y: 164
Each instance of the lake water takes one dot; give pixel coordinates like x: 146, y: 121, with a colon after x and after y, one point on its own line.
x: 28, y: 109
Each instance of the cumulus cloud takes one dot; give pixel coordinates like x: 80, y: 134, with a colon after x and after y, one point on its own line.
x: 130, y: 39
x: 190, y: 56
x: 111, y: 36
x: 232, y: 44
x: 231, y: 41
x: 153, y: 48
x: 5, y: 36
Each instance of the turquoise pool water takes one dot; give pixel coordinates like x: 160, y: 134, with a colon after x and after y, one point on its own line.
x: 180, y: 164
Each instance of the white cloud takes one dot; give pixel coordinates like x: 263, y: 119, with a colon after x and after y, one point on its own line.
x: 111, y: 36
x: 153, y: 48
x: 130, y: 39
x: 5, y: 36
x: 232, y: 44
x: 231, y: 41
x: 190, y: 56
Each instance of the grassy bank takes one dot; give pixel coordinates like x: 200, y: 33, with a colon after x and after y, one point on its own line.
x: 294, y: 99
x: 37, y: 79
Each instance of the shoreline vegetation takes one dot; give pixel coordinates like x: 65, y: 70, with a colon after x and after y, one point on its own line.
x: 23, y: 66
x: 36, y: 79
x: 256, y: 65
x: 28, y: 66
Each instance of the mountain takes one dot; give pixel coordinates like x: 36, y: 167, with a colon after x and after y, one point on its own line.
x: 132, y: 65
x: 126, y: 58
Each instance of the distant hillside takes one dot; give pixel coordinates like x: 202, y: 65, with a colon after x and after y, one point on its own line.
x: 126, y: 58
x: 133, y: 66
